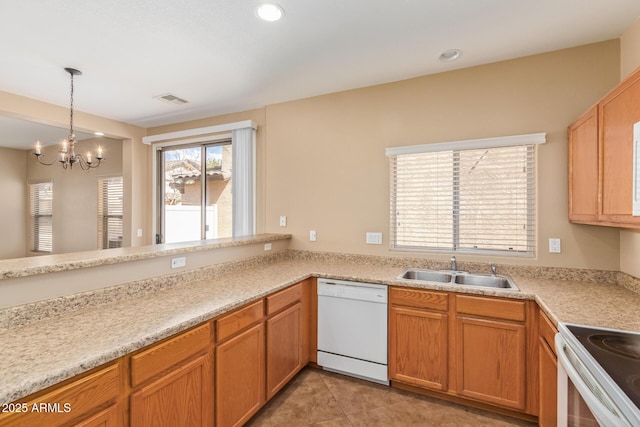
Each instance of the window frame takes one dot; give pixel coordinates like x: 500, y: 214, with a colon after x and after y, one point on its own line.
x: 243, y: 140
x: 456, y: 147
x: 35, y: 219
x: 103, y: 220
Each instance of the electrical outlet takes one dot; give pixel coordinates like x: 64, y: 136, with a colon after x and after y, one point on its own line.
x: 312, y: 235
x: 267, y: 246
x: 554, y: 246
x: 283, y: 221
x: 374, y: 238
x: 178, y: 262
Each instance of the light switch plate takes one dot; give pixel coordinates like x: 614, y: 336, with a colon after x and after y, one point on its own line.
x: 554, y: 246
x: 312, y: 235
x: 283, y: 221
x: 178, y: 262
x: 374, y: 238
x: 139, y: 232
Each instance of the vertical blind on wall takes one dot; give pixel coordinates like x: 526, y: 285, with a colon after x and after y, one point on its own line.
x: 470, y: 196
x: 110, y: 212
x: 41, y: 216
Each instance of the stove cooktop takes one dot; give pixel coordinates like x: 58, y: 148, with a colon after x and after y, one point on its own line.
x: 617, y: 352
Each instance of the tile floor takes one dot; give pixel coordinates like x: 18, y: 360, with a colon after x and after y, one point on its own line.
x: 320, y: 398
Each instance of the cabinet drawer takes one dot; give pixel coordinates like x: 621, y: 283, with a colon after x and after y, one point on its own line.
x: 546, y: 330
x: 491, y: 307
x: 281, y: 299
x: 162, y: 356
x: 419, y: 299
x: 76, y: 398
x: 231, y: 323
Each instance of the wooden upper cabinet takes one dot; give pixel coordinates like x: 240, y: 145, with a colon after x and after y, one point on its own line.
x: 601, y: 159
x: 583, y: 168
x: 618, y: 112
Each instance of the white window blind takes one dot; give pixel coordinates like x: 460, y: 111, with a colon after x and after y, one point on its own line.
x: 41, y: 216
x: 110, y: 211
x: 478, y: 200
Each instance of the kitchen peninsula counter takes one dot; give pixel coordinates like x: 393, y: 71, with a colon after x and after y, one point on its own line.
x: 47, y: 351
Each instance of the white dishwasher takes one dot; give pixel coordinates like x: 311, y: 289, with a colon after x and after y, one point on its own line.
x: 352, y: 329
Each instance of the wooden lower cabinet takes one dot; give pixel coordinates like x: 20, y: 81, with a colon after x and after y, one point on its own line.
x: 469, y: 348
x: 240, y: 377
x: 548, y: 374
x: 182, y: 397
x: 418, y: 347
x: 76, y: 402
x: 284, y: 347
x: 492, y: 361
x: 106, y: 418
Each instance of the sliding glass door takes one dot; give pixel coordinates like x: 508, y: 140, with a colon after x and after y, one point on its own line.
x: 194, y: 192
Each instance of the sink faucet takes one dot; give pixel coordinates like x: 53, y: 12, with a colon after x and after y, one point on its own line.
x: 493, y: 269
x: 454, y: 264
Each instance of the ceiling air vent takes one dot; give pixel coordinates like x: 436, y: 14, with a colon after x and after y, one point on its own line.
x: 172, y: 99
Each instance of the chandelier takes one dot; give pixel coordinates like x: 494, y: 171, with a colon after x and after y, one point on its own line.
x: 67, y: 153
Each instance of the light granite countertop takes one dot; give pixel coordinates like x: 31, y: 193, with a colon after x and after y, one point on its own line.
x: 30, y: 266
x: 51, y: 350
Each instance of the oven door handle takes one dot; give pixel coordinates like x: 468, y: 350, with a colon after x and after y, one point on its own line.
x: 601, y: 410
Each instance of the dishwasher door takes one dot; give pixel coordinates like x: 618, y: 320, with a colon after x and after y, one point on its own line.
x: 352, y: 328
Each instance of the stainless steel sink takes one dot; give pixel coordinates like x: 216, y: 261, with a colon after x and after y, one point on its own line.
x: 484, y: 281
x: 427, y: 276
x: 459, y: 278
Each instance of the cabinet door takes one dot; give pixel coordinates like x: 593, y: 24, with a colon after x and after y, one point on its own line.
x: 240, y: 373
x: 418, y: 347
x: 618, y: 111
x: 548, y: 415
x: 284, y: 348
x: 62, y: 405
x: 491, y: 361
x: 583, y: 168
x: 183, y: 397
x: 104, y: 418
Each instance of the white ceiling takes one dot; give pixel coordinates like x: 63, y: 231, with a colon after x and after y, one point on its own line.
x: 217, y: 55
x: 22, y: 134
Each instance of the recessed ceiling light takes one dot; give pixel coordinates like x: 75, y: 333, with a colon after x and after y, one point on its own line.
x: 450, y: 55
x: 269, y: 12
x: 98, y: 133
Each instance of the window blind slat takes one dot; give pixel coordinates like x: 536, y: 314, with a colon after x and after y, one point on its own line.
x: 479, y: 200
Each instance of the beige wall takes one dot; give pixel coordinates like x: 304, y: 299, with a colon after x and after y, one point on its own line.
x: 321, y: 160
x: 13, y: 214
x: 326, y: 168
x: 629, y: 61
x: 75, y: 193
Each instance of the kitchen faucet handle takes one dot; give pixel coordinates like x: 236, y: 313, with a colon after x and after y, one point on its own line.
x: 493, y: 269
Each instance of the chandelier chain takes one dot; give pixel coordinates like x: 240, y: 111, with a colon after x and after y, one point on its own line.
x: 71, y: 135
